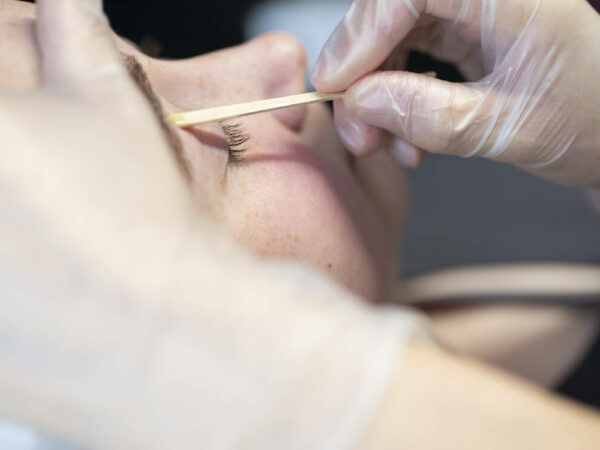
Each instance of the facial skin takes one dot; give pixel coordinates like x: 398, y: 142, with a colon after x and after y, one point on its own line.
x: 296, y: 194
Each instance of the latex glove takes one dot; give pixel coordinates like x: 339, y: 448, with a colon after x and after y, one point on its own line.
x: 127, y: 320
x: 535, y: 103
x: 71, y: 167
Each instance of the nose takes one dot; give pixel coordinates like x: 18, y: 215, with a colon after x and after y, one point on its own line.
x: 283, y: 73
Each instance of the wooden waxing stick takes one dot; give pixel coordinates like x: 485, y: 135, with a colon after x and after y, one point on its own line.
x: 222, y: 113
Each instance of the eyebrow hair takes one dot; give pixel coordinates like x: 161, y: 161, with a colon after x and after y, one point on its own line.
x: 140, y: 78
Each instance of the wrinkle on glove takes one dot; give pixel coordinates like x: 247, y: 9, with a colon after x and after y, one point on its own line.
x: 267, y: 358
x: 533, y: 99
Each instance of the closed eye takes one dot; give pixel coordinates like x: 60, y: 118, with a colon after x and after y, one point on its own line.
x: 236, y: 141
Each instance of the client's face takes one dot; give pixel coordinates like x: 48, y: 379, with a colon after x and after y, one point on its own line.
x: 291, y: 190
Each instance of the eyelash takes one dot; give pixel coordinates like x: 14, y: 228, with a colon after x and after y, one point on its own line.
x: 236, y: 140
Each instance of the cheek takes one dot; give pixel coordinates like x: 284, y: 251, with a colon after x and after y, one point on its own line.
x: 292, y: 210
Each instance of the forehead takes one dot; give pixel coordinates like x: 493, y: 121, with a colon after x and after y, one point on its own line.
x: 19, y: 59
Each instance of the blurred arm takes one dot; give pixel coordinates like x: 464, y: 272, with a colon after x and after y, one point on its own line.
x: 541, y: 343
x: 442, y: 401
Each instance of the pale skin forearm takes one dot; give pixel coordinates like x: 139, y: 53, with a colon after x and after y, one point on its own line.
x: 541, y: 343
x: 438, y: 400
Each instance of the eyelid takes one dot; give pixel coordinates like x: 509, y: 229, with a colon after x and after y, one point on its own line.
x: 236, y: 140
x: 234, y: 133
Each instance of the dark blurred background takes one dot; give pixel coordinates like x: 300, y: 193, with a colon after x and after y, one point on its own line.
x: 182, y: 28
x: 463, y: 211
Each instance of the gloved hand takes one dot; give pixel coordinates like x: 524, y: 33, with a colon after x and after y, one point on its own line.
x: 535, y: 103
x: 115, y: 292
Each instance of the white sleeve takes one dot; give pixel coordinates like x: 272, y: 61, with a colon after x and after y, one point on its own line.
x: 220, y: 356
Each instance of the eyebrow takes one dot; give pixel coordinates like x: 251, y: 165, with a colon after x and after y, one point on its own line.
x: 140, y: 77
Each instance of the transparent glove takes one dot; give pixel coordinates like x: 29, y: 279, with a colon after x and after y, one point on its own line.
x: 126, y: 320
x: 534, y: 101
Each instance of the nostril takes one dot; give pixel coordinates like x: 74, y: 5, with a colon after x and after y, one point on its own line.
x: 292, y: 118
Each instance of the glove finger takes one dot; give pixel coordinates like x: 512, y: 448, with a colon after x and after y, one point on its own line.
x: 362, y: 41
x: 358, y: 137
x: 405, y: 154
x: 441, y: 41
x: 372, y: 29
x: 446, y: 42
x: 431, y: 114
x: 76, y: 44
x: 398, y: 59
